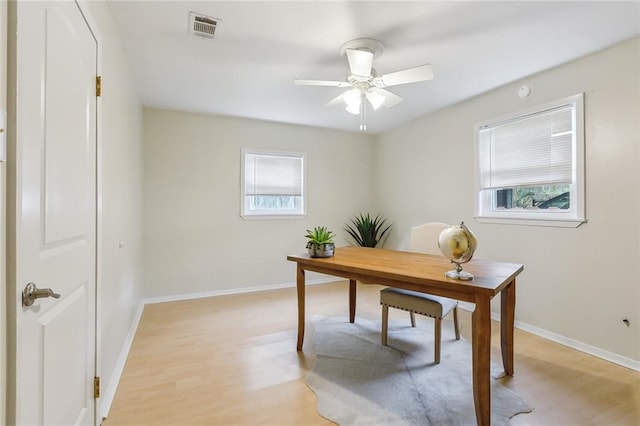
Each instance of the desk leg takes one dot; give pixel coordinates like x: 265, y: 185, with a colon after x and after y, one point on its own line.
x: 481, y: 339
x: 352, y: 301
x: 300, y: 283
x: 507, y: 317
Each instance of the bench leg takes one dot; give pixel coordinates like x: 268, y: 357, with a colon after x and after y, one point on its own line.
x: 413, y: 319
x: 385, y: 323
x: 437, y: 332
x: 455, y: 322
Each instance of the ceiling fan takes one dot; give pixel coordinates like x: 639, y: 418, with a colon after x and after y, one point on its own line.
x: 364, y: 83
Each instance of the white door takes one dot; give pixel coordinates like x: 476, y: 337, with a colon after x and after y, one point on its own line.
x: 55, y: 213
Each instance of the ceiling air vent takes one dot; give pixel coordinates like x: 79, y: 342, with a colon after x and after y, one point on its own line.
x: 201, y: 25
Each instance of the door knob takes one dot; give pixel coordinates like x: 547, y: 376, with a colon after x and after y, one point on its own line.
x: 31, y: 293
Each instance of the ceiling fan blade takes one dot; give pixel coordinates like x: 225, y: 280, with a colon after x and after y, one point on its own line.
x: 390, y: 99
x: 338, y: 100
x: 321, y: 83
x: 360, y: 62
x: 410, y: 75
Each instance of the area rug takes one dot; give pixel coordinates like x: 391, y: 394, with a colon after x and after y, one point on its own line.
x: 360, y: 382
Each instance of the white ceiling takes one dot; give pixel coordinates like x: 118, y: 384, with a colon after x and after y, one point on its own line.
x: 260, y: 47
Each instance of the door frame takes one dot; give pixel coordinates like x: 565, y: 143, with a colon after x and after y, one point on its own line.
x: 14, y: 301
x: 3, y: 223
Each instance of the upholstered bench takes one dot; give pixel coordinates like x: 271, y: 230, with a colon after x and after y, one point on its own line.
x: 419, y: 303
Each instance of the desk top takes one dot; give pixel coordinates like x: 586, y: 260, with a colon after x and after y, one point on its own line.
x: 413, y: 271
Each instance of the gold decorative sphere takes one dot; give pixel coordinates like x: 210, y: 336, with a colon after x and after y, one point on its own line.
x: 458, y: 244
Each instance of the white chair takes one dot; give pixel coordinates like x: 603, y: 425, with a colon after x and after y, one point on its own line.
x: 424, y: 239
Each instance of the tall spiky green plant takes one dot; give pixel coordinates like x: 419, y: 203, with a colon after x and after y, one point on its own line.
x: 368, y: 231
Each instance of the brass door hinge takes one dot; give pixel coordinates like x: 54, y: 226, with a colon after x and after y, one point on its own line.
x: 96, y: 387
x: 98, y: 85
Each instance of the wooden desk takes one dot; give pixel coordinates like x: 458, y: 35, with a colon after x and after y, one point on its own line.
x: 425, y: 273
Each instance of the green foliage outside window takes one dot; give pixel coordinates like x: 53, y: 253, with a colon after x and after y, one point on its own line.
x: 541, y: 197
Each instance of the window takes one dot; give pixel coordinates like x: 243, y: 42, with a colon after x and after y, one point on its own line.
x: 272, y: 184
x: 530, y: 166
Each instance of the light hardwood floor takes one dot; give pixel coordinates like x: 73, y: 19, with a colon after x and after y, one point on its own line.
x: 231, y: 360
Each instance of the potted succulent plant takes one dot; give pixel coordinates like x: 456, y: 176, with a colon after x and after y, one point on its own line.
x: 320, y: 242
x: 368, y: 231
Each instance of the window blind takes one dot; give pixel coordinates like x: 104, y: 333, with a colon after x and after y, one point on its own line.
x: 272, y: 175
x: 528, y: 151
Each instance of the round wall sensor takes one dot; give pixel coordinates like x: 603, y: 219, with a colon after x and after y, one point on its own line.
x: 525, y: 91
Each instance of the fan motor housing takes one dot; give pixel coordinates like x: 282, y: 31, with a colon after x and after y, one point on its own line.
x: 374, y: 46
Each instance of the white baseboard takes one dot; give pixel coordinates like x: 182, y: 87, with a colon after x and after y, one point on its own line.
x: 566, y: 341
x: 110, y: 391
x: 578, y: 345
x: 225, y: 292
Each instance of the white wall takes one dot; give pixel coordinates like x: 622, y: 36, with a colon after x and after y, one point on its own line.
x: 577, y: 283
x: 120, y: 206
x: 194, y: 238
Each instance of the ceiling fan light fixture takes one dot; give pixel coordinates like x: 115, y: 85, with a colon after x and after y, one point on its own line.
x: 353, y: 99
x: 353, y: 109
x: 375, y: 99
x: 366, y: 86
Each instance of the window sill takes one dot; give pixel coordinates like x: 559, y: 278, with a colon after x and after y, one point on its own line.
x: 273, y: 216
x: 555, y: 223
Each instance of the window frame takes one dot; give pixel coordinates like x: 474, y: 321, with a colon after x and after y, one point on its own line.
x: 298, y: 213
x: 575, y: 215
